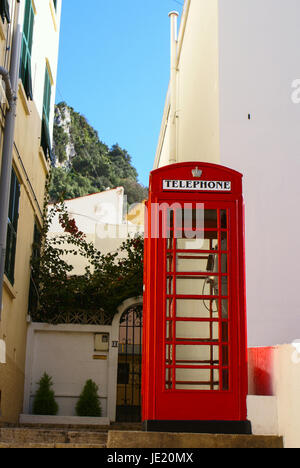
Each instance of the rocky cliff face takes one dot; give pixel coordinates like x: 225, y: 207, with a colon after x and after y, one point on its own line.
x: 84, y: 164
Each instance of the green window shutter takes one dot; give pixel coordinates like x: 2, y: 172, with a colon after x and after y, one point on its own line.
x: 12, y: 227
x: 47, y: 96
x: 25, y: 68
x: 4, y: 11
x: 45, y: 137
x: 55, y: 4
x: 33, y: 299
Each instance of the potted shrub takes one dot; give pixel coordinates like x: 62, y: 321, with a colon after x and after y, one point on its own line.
x: 44, y: 402
x: 89, y: 404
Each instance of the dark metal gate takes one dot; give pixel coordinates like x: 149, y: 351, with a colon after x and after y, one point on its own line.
x: 130, y: 366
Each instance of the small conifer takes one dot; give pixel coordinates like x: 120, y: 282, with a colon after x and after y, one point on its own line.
x: 44, y: 402
x: 88, y: 404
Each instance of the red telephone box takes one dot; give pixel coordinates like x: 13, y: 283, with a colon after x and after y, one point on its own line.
x: 194, y: 335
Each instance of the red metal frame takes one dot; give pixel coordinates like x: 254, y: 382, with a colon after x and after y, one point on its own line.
x: 161, y: 397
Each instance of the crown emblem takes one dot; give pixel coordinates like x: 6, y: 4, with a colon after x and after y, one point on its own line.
x: 197, y: 172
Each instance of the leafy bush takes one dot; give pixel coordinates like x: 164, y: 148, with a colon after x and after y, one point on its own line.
x: 44, y: 401
x: 88, y: 404
x: 108, y: 280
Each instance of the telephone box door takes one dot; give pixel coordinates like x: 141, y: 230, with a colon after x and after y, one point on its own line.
x: 197, y: 332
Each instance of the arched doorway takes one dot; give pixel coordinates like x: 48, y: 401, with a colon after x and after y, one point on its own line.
x: 130, y: 365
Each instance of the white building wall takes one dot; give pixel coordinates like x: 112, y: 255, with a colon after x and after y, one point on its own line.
x: 197, y: 99
x: 259, y: 60
x: 239, y: 59
x: 91, y: 210
x: 100, y: 217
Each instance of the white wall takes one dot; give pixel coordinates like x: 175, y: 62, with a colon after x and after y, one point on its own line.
x: 259, y: 59
x: 287, y: 388
x: 65, y: 352
x: 100, y: 217
x: 197, y: 108
x: 91, y: 210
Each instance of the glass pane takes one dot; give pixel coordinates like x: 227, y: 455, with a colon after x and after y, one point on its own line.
x: 224, y: 308
x: 169, y: 308
x: 200, y: 308
x: 197, y: 355
x: 224, y: 263
x: 189, y: 219
x: 224, y: 223
x: 197, y: 263
x: 225, y: 356
x: 196, y: 218
x: 169, y: 330
x: 193, y: 331
x: 170, y: 263
x: 197, y: 379
x: 169, y: 379
x: 207, y: 355
x: 196, y: 286
x: 169, y: 355
x: 170, y: 284
x: 224, y: 286
x: 170, y: 243
x: 207, y: 240
x: 225, y: 334
x: 224, y: 241
x: 211, y: 219
x: 225, y: 379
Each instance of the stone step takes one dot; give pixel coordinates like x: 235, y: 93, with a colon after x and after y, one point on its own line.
x: 47, y: 446
x: 123, y: 439
x: 82, y: 437
x: 25, y: 436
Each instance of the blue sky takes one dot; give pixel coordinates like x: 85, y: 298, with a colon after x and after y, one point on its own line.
x: 114, y: 69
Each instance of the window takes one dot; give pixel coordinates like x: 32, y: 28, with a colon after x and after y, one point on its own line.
x: 33, y: 290
x: 55, y: 4
x: 4, y: 10
x: 13, y: 217
x: 25, y: 68
x: 45, y: 137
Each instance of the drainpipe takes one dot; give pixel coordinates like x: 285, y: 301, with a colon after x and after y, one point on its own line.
x: 173, y: 88
x: 11, y: 80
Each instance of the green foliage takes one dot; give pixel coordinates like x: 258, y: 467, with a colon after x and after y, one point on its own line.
x: 108, y: 280
x: 44, y: 402
x: 61, y: 141
x: 88, y: 404
x: 94, y: 167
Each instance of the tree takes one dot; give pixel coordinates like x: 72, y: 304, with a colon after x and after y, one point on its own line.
x: 88, y: 404
x: 44, y: 401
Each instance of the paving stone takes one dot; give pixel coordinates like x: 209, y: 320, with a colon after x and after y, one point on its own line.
x: 81, y: 437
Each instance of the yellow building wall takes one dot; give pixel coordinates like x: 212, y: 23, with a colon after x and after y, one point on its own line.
x: 197, y: 88
x: 31, y: 169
